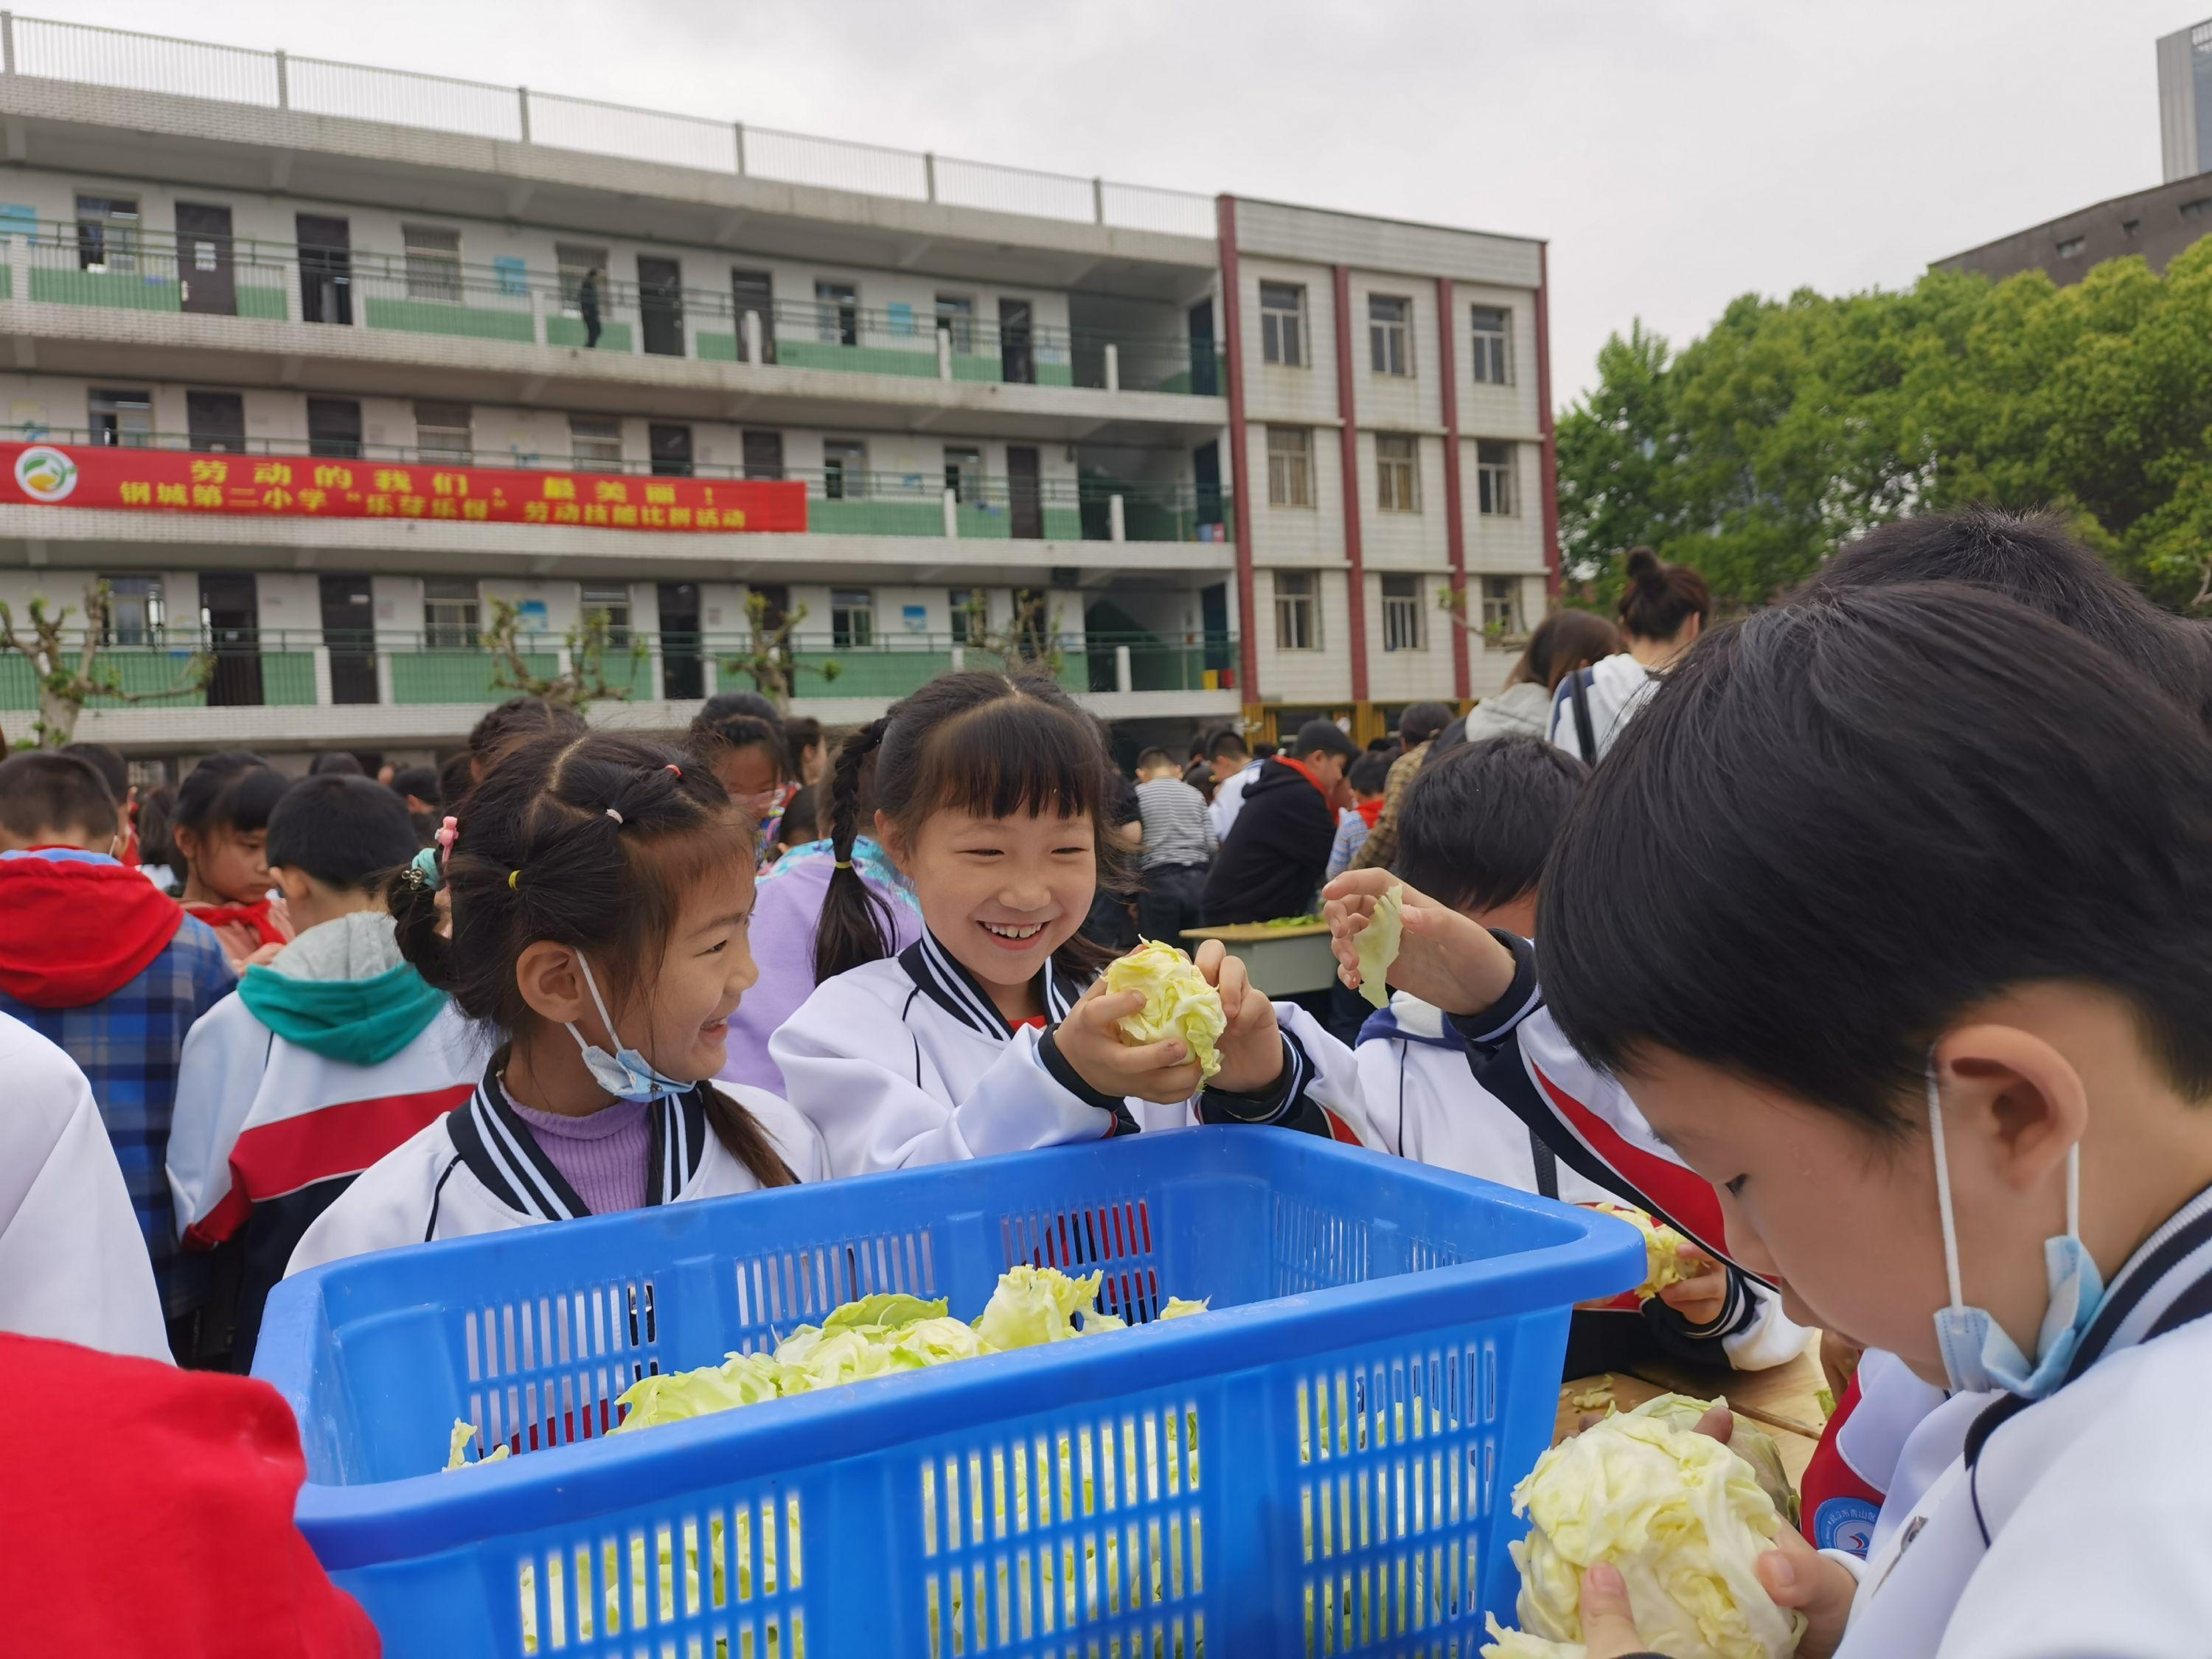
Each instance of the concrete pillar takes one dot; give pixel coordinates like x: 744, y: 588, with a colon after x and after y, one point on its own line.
x: 1117, y: 528
x: 321, y: 654
x: 384, y: 679
x: 944, y: 354
x: 1123, y: 679
x: 284, y: 81
x: 959, y: 659
x: 522, y: 112
x: 953, y: 514
x: 750, y: 325
x: 1112, y: 367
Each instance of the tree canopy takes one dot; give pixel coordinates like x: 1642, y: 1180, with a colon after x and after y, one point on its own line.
x: 1797, y: 424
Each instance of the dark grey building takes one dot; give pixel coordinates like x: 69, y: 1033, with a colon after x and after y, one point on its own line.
x: 2157, y: 223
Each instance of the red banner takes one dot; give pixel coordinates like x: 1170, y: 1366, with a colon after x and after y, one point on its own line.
x: 292, y: 487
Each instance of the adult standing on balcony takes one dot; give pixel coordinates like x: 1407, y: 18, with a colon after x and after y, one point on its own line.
x: 587, y: 303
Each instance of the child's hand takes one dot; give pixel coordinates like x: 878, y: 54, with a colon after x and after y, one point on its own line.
x: 261, y: 957
x: 239, y: 942
x: 1251, y: 1049
x: 1089, y: 1041
x: 1443, y: 957
x: 1701, y: 1297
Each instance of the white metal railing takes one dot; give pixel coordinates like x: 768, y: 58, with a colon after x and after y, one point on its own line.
x: 96, y: 56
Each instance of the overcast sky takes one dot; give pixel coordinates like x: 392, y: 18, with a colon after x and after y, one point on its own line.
x: 1676, y: 152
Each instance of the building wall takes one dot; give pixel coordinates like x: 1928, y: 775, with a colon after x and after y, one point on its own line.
x: 2155, y: 224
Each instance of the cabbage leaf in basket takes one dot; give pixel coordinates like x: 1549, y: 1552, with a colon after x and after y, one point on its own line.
x: 1178, y: 1002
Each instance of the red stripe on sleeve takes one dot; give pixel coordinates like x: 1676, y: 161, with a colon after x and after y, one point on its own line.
x: 274, y: 1158
x: 1686, y: 1197
x: 220, y: 1223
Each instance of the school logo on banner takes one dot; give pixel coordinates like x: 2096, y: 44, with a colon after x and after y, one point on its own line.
x: 45, y: 474
x: 1843, y: 1523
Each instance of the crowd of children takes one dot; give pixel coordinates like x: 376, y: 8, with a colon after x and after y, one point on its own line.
x: 1856, y: 940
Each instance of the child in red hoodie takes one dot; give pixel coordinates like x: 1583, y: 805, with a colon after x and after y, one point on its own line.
x: 94, y: 959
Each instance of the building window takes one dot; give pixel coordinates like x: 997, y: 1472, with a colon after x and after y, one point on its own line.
x: 334, y: 429
x: 963, y: 475
x: 611, y: 599
x: 2069, y: 247
x: 956, y: 315
x: 851, y: 618
x: 121, y: 420
x: 960, y: 605
x: 1297, y: 611
x: 2130, y: 228
x: 449, y: 613
x: 442, y: 433
x: 134, y: 611
x: 1397, y: 472
x: 2197, y: 208
x: 106, y: 233
x: 1493, y: 479
x: 595, y: 444
x: 1283, y: 324
x: 1401, y: 613
x: 574, y: 261
x: 1501, y: 605
x: 844, y: 469
x: 1387, y: 349
x: 837, y: 313
x: 1493, y: 351
x: 1289, y: 466
x: 433, y: 263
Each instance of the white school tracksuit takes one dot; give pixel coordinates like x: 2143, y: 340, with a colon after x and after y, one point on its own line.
x: 478, y: 1169
x: 2079, y: 1525
x: 73, y: 1263
x: 1423, y: 1103
x: 908, y: 1062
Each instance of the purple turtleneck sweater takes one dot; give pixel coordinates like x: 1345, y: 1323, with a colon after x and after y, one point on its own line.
x: 603, y: 1156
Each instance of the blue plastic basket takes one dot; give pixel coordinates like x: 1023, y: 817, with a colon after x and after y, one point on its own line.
x: 1321, y: 1465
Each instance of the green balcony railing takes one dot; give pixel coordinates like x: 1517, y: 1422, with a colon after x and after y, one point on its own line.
x: 132, y: 268
x: 294, y: 668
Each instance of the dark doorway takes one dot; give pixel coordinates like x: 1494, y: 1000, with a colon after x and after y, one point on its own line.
x: 763, y: 454
x: 1213, y: 616
x: 660, y: 306
x: 350, y: 635
x: 334, y: 428
x: 670, y: 448
x: 1017, y: 350
x: 1205, y: 471
x: 1025, y: 492
x: 326, y: 269
x: 206, y: 281
x: 682, y: 666
x: 754, y: 291
x: 214, y: 422
x: 230, y: 618
x: 1205, y: 370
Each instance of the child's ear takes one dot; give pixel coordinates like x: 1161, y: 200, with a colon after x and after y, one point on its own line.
x: 2018, y: 1091
x: 297, y: 886
x: 546, y: 974
x: 889, y: 838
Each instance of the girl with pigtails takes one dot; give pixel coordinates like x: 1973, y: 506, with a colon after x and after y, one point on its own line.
x: 599, y: 890
x: 992, y: 1032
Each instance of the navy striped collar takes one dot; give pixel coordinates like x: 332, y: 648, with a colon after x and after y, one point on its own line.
x: 503, y: 1154
x: 961, y: 995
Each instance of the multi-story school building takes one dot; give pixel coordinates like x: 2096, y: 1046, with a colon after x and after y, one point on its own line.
x: 316, y: 364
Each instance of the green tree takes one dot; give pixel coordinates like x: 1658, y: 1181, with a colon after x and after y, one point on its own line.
x: 583, y: 682
x: 767, y: 660
x: 69, y: 675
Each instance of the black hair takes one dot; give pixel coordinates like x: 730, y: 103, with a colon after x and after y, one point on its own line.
x: 1474, y: 828
x: 589, y: 841
x: 1422, y: 721
x: 234, y: 790
x: 47, y: 790
x: 800, y: 734
x: 106, y: 762
x: 1371, y: 772
x: 1658, y: 598
x: 1226, y: 745
x: 801, y: 821
x: 1845, y: 821
x: 1566, y: 639
x: 517, y: 720
x: 1149, y: 758
x: 419, y: 782
x: 993, y: 745
x: 1266, y: 750
x: 335, y: 763
x: 2029, y: 558
x: 711, y: 735
x: 342, y: 830
x: 157, y: 809
x: 1322, y: 736
x: 455, y: 778
x: 1451, y: 738
x: 723, y: 704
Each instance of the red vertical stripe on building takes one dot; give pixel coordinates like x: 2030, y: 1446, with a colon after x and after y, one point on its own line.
x: 1551, y: 483
x: 1347, y: 409
x: 1240, y: 462
x: 1455, y: 522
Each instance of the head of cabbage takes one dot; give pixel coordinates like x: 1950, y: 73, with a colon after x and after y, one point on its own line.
x: 1680, y: 1514
x: 1662, y: 1261
x: 1178, y: 1002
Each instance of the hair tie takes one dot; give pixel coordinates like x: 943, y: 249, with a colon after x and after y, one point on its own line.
x: 513, y: 876
x: 423, y: 867
x: 844, y: 864
x: 673, y: 767
x: 616, y: 815
x: 448, y: 832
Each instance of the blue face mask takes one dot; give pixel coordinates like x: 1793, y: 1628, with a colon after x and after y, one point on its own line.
x: 626, y: 1074
x: 1978, y: 1356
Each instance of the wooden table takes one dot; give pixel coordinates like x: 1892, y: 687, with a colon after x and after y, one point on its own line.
x: 1283, y: 962
x: 1785, y: 1401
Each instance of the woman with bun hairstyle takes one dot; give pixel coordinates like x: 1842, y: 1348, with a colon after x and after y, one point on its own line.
x: 1663, y: 609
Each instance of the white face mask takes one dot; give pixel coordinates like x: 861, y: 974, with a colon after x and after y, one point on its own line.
x: 1978, y: 1356
x: 626, y: 1074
